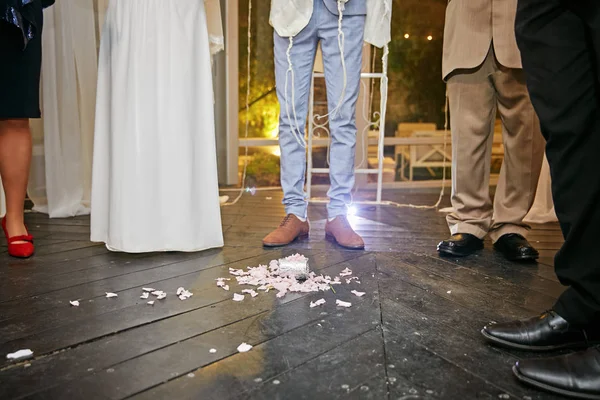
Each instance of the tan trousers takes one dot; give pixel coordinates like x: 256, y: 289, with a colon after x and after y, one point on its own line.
x: 475, y: 95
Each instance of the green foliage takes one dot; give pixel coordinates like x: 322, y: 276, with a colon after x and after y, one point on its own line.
x: 416, y: 90
x: 264, y: 107
x: 263, y: 169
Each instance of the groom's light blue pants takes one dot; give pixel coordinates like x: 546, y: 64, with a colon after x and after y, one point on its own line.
x: 323, y: 28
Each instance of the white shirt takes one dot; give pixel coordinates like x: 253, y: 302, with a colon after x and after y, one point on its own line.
x: 289, y: 17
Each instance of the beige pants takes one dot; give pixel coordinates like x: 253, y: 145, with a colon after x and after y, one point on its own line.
x: 475, y: 95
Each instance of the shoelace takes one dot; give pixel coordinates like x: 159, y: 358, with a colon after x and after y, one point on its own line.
x: 286, y: 220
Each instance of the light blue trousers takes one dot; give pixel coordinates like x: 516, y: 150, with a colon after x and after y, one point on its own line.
x: 323, y: 28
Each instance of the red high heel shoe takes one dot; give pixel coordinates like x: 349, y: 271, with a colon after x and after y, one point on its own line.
x: 19, y: 250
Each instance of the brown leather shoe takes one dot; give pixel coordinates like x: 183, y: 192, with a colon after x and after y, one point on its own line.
x: 339, y: 231
x: 290, y: 229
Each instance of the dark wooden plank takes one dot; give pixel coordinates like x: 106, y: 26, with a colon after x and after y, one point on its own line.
x: 59, y: 228
x: 40, y: 271
x: 36, y: 220
x: 10, y: 291
x: 459, y: 293
x: 485, y: 362
x: 65, y: 256
x: 110, y: 316
x: 417, y: 373
x: 491, y: 260
x: 38, y: 242
x: 288, y: 316
x: 57, y: 311
x: 503, y: 280
x: 354, y: 369
x: 55, y: 258
x: 102, y: 354
x: 463, y: 318
x: 284, y: 353
x: 150, y: 351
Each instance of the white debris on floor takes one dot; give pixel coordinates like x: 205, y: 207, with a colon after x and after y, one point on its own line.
x: 221, y: 283
x: 147, y: 289
x: 288, y: 275
x: 244, y: 347
x: 19, y: 354
x: 151, y: 302
x: 144, y: 295
x: 250, y: 292
x: 109, y: 295
x: 238, y: 297
x: 317, y: 303
x: 184, y: 294
x: 74, y: 303
x: 212, y: 351
x: 341, y: 303
x: 266, y: 278
x: 159, y: 294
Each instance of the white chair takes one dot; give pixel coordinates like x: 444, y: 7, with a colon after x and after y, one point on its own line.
x: 431, y: 156
x: 402, y: 152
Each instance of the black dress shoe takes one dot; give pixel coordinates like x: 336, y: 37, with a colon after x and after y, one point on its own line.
x: 547, y: 332
x: 460, y: 245
x: 516, y: 248
x: 574, y: 375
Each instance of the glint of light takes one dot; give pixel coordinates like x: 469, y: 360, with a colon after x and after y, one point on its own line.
x: 251, y: 190
x: 351, y: 215
x: 429, y: 37
x: 273, y: 133
x: 277, y: 152
x: 406, y: 36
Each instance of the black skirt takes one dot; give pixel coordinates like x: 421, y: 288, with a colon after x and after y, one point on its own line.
x: 20, y: 68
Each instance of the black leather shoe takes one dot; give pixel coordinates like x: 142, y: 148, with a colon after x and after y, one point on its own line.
x: 547, y: 332
x: 574, y: 375
x: 516, y: 248
x: 460, y: 245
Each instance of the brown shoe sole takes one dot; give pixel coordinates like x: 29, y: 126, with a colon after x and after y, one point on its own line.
x: 332, y: 239
x: 297, y: 238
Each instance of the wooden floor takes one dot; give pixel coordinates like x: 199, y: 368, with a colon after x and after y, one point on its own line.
x: 414, y: 335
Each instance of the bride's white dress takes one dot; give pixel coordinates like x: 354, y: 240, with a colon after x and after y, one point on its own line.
x: 154, y: 183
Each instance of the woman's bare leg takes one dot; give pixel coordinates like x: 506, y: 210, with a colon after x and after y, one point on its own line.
x: 15, y: 161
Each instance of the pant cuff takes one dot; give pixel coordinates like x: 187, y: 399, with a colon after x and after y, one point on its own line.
x: 571, y: 306
x: 570, y: 317
x: 505, y: 229
x: 298, y: 211
x: 336, y: 210
x: 467, y: 228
